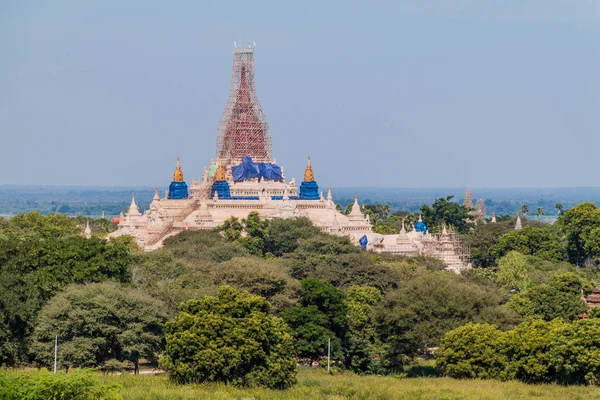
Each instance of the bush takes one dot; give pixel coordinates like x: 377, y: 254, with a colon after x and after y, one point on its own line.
x: 230, y: 338
x: 44, y: 385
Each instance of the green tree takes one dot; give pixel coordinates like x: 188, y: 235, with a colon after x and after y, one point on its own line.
x: 285, y: 235
x: 321, y: 315
x: 530, y: 240
x: 539, y: 212
x: 443, y: 210
x: 257, y: 231
x: 364, y: 345
x: 577, y: 225
x: 559, y: 208
x: 229, y: 338
x: 98, y: 322
x: 524, y: 209
x: 471, y: 351
x: 482, y: 239
x: 231, y: 228
x: 560, y: 298
x: 512, y: 272
x: 416, y: 316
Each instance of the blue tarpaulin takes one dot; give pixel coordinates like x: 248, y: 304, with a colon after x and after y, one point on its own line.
x: 178, y: 191
x: 309, y: 190
x: 222, y: 190
x: 249, y: 169
x: 363, y: 241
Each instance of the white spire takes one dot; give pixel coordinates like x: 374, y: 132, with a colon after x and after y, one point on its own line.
x: 518, y: 225
x: 102, y: 214
x: 133, y: 208
x: 444, y: 231
x: 329, y: 198
x: 285, y: 194
x: 88, y: 231
x: 493, y: 217
x: 420, y: 218
x: 355, y: 214
x: 156, y: 196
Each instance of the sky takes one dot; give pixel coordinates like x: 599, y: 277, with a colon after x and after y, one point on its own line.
x: 405, y: 93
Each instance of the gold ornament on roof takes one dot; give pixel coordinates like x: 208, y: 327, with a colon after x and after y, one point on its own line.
x: 220, y: 174
x: 178, y: 174
x: 309, y: 175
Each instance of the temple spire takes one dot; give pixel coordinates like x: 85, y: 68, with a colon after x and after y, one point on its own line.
x: 493, y: 217
x: 156, y: 196
x: 220, y: 174
x: 309, y: 175
x: 88, y: 231
x: 355, y: 213
x: 178, y: 174
x: 518, y: 224
x: 133, y: 208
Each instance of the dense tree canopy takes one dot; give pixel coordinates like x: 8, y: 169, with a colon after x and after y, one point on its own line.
x: 581, y: 227
x: 530, y: 241
x: 230, y: 338
x: 445, y: 211
x: 99, y: 322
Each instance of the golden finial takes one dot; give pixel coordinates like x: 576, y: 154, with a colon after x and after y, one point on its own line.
x: 178, y: 174
x: 309, y: 175
x: 220, y: 174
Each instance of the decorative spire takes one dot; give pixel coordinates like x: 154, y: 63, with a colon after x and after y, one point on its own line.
x: 468, y: 201
x: 444, y: 231
x: 220, y: 174
x: 309, y: 175
x: 355, y: 213
x: 285, y: 194
x: 88, y: 231
x: 329, y: 194
x: 102, y: 214
x: 178, y: 174
x: 133, y: 208
x: 156, y: 196
x: 518, y: 225
x: 494, y: 217
x: 403, y: 230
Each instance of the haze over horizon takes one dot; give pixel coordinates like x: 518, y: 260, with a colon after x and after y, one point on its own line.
x: 394, y: 94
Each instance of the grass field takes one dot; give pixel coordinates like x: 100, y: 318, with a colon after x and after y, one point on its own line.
x: 316, y: 384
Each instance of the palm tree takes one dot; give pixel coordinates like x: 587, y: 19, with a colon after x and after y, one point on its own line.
x: 524, y: 209
x: 559, y: 207
x: 539, y: 212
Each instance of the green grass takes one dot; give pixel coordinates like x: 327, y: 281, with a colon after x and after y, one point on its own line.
x: 316, y: 384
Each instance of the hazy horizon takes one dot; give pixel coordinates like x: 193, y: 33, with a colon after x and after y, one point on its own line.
x: 410, y: 94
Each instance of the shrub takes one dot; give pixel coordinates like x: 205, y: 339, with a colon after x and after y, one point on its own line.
x: 44, y: 385
x: 230, y: 338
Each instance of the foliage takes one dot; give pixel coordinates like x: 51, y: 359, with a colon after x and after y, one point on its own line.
x: 39, y: 256
x: 512, y: 272
x: 471, y: 351
x: 364, y: 345
x: 43, y: 385
x: 560, y: 298
x: 285, y: 235
x: 581, y: 227
x: 321, y: 315
x: 445, y: 211
x: 482, y: 238
x: 229, y: 338
x: 533, y: 352
x: 530, y: 241
x: 98, y: 322
x: 416, y: 316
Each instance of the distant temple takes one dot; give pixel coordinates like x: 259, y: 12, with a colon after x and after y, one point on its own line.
x: 245, y: 177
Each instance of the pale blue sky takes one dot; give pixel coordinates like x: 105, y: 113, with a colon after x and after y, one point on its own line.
x: 406, y: 93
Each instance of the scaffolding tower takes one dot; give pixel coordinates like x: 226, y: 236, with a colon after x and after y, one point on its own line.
x: 243, y: 130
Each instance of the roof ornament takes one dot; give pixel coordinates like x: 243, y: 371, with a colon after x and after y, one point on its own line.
x: 178, y: 174
x: 309, y: 175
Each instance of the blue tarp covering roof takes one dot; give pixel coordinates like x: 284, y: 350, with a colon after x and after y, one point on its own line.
x: 222, y: 190
x: 309, y: 190
x: 178, y: 191
x: 249, y: 169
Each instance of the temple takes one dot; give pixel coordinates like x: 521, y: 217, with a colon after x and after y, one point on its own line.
x: 244, y: 177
